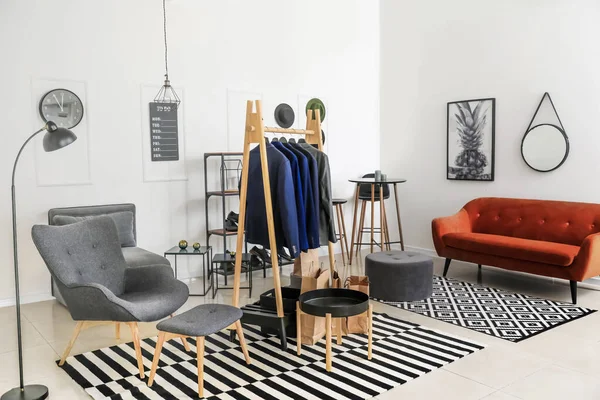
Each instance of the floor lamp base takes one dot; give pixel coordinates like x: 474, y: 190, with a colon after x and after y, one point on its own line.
x: 29, y: 392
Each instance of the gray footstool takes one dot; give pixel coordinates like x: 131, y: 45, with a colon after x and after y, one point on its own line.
x: 399, y: 275
x: 198, y: 322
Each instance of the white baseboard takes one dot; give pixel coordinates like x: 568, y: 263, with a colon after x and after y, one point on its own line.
x: 28, y: 298
x: 430, y: 252
x: 592, y: 283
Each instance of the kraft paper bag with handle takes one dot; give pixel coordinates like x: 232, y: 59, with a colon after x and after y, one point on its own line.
x: 313, y: 328
x: 358, y: 323
x: 336, y: 282
x: 307, y: 264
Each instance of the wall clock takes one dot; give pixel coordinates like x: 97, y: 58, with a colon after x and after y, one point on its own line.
x: 63, y: 107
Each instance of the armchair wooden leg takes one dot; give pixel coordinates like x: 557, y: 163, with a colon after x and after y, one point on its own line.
x: 76, y: 333
x: 157, y: 351
x: 118, y: 330
x: 138, y: 349
x: 574, y: 291
x: 240, y: 333
x: 185, y: 343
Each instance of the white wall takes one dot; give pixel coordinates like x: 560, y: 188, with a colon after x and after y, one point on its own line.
x: 280, y: 50
x: 436, y: 51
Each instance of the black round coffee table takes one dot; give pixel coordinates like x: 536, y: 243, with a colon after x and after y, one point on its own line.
x: 333, y: 303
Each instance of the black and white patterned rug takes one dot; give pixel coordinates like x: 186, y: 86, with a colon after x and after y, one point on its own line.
x: 402, y: 351
x: 506, y: 315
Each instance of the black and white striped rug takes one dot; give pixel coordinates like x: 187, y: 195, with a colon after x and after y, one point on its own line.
x: 402, y: 351
x: 496, y: 312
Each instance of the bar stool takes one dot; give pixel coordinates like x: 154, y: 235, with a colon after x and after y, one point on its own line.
x: 364, y: 195
x: 341, y: 227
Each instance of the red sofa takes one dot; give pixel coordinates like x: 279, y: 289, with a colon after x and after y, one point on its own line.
x: 558, y: 239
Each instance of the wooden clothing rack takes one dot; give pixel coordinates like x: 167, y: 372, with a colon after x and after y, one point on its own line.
x: 254, y: 133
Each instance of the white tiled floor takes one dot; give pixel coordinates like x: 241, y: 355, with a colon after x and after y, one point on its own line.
x: 562, y: 363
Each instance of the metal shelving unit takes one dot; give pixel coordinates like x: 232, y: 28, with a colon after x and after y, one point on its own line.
x: 222, y: 268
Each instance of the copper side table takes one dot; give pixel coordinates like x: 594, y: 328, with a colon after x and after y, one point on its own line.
x: 376, y: 186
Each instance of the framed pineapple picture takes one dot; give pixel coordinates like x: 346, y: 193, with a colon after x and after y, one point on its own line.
x: 471, y: 131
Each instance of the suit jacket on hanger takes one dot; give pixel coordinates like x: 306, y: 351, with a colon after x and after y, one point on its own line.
x: 299, y: 195
x: 311, y: 201
x: 283, y: 199
x: 326, y: 218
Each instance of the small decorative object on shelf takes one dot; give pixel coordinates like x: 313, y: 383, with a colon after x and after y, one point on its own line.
x: 183, y: 244
x: 196, y: 246
x: 232, y: 254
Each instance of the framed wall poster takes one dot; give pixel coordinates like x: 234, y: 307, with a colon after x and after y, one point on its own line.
x: 470, y: 146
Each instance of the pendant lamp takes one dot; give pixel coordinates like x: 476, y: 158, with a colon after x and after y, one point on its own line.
x: 166, y: 94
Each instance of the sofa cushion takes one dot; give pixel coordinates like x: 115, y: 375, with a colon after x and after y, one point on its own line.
x: 123, y: 220
x: 137, y: 257
x: 505, y: 246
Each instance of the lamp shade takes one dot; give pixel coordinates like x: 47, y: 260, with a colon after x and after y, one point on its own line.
x: 57, y: 138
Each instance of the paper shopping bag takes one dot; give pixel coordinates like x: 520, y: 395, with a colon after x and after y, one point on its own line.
x: 307, y: 263
x: 313, y: 328
x: 358, y: 323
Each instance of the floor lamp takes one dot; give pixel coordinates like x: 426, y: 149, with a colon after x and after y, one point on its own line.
x: 55, y: 138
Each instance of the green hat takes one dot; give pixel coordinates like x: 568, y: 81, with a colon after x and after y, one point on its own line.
x: 314, y: 104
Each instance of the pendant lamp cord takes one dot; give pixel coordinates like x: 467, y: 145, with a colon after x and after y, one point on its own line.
x: 165, y: 34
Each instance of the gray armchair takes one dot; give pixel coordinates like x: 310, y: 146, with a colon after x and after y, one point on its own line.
x: 134, y: 256
x: 89, y: 269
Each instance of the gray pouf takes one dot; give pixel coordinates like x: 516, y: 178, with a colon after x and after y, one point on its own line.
x: 399, y: 275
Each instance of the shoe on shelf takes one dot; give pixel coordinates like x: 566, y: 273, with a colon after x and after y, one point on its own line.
x: 284, y: 255
x: 233, y: 217
x: 230, y: 226
x: 261, y: 253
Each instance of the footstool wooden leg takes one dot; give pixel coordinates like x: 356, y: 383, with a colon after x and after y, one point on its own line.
x: 370, y: 316
x: 118, y: 330
x: 200, y: 360
x: 298, y: 329
x: 328, y: 342
x: 340, y: 321
x: 240, y: 333
x: 157, y: 351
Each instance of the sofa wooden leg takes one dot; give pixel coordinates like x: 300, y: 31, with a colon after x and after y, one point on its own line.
x: 447, y: 265
x: 574, y: 291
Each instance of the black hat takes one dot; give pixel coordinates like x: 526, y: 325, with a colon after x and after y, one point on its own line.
x: 284, y: 115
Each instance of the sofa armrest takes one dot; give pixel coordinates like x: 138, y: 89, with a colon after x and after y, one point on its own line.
x: 139, y: 279
x: 458, y: 222
x: 587, y: 262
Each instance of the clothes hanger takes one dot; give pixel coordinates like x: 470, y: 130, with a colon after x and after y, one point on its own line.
x: 283, y: 139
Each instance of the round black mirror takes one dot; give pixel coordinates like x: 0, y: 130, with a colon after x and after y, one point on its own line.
x: 545, y: 147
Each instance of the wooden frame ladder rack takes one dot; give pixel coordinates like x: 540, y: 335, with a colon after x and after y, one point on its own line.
x: 254, y: 133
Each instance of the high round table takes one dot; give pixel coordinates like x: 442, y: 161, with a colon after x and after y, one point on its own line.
x: 377, y: 186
